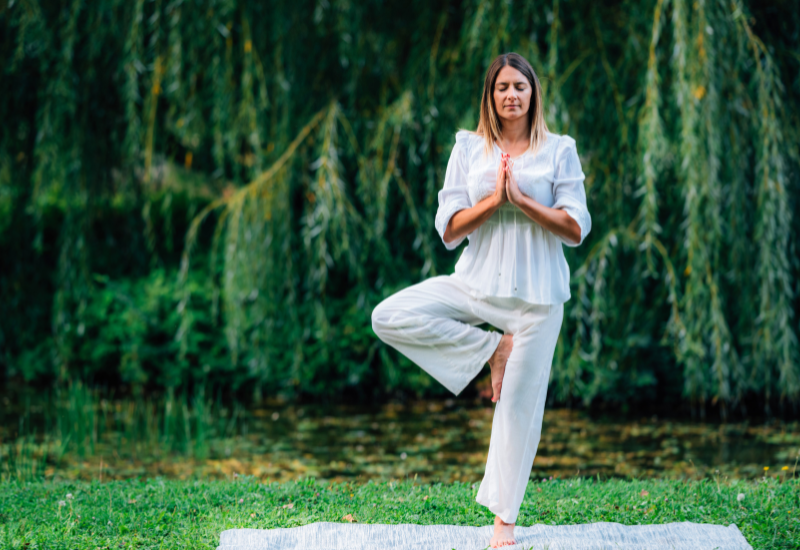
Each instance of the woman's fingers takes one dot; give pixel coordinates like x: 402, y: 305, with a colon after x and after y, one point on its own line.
x: 502, y: 177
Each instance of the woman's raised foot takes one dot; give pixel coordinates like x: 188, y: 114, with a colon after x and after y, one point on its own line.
x: 497, y: 362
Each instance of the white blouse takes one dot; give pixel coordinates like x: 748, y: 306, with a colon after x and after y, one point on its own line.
x: 510, y: 255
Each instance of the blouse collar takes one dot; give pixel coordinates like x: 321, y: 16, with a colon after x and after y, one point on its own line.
x: 497, y: 147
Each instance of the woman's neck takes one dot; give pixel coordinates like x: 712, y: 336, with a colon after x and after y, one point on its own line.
x: 515, y: 131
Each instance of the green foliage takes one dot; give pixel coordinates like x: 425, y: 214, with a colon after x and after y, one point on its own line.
x: 127, y: 336
x: 180, y: 514
x: 312, y: 148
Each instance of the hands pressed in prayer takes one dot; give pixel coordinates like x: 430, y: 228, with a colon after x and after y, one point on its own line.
x: 511, y: 186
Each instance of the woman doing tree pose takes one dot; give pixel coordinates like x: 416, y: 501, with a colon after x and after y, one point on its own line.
x: 515, y: 190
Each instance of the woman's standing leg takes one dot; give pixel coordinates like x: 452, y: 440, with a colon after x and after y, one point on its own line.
x: 517, y: 422
x: 433, y: 324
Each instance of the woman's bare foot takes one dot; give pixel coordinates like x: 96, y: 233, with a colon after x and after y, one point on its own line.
x: 503, y: 533
x: 498, y: 361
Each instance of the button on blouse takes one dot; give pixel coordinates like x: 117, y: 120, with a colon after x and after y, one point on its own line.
x: 510, y: 254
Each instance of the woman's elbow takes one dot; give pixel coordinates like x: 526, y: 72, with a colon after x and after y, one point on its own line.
x: 574, y: 232
x: 448, y: 237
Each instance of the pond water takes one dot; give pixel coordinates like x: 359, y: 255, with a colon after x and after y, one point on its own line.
x: 432, y: 441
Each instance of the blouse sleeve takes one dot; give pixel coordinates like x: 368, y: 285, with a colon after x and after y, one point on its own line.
x: 454, y: 195
x: 568, y: 189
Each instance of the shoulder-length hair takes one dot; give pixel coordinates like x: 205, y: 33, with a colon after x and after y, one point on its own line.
x: 489, y: 125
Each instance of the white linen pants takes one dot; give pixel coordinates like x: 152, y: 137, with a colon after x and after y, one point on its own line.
x: 434, y: 323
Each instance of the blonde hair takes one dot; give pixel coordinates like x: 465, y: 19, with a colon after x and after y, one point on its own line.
x: 489, y: 126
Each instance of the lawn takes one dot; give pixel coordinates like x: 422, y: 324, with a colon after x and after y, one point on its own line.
x: 172, y: 514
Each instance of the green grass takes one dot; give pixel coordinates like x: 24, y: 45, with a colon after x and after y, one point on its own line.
x: 169, y: 514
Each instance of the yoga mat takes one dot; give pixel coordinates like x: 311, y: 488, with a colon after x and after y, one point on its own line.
x: 593, y: 536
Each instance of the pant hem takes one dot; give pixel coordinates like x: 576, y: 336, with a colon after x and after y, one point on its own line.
x: 493, y: 509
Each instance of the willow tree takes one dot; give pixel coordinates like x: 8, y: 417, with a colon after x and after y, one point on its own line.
x: 323, y: 129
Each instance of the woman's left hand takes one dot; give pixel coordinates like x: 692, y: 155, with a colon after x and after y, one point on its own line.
x: 513, y: 192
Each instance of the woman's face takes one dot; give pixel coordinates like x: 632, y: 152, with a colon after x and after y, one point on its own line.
x: 512, y: 94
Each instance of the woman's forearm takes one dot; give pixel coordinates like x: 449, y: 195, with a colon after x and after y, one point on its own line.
x: 468, y: 220
x: 554, y: 220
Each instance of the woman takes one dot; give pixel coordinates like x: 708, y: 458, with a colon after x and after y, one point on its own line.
x: 515, y: 190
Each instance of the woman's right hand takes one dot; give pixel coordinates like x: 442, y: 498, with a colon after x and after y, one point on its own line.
x: 500, y: 196
x: 468, y: 220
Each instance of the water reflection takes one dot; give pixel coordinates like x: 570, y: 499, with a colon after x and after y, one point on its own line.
x: 432, y: 441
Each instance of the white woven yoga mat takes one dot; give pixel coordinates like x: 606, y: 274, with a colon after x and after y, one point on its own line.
x: 594, y: 536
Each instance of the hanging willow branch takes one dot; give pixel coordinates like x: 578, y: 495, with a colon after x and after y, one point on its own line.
x: 776, y: 341
x: 235, y: 200
x: 652, y: 143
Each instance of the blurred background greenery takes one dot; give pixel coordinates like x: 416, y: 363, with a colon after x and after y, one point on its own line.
x: 209, y: 197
